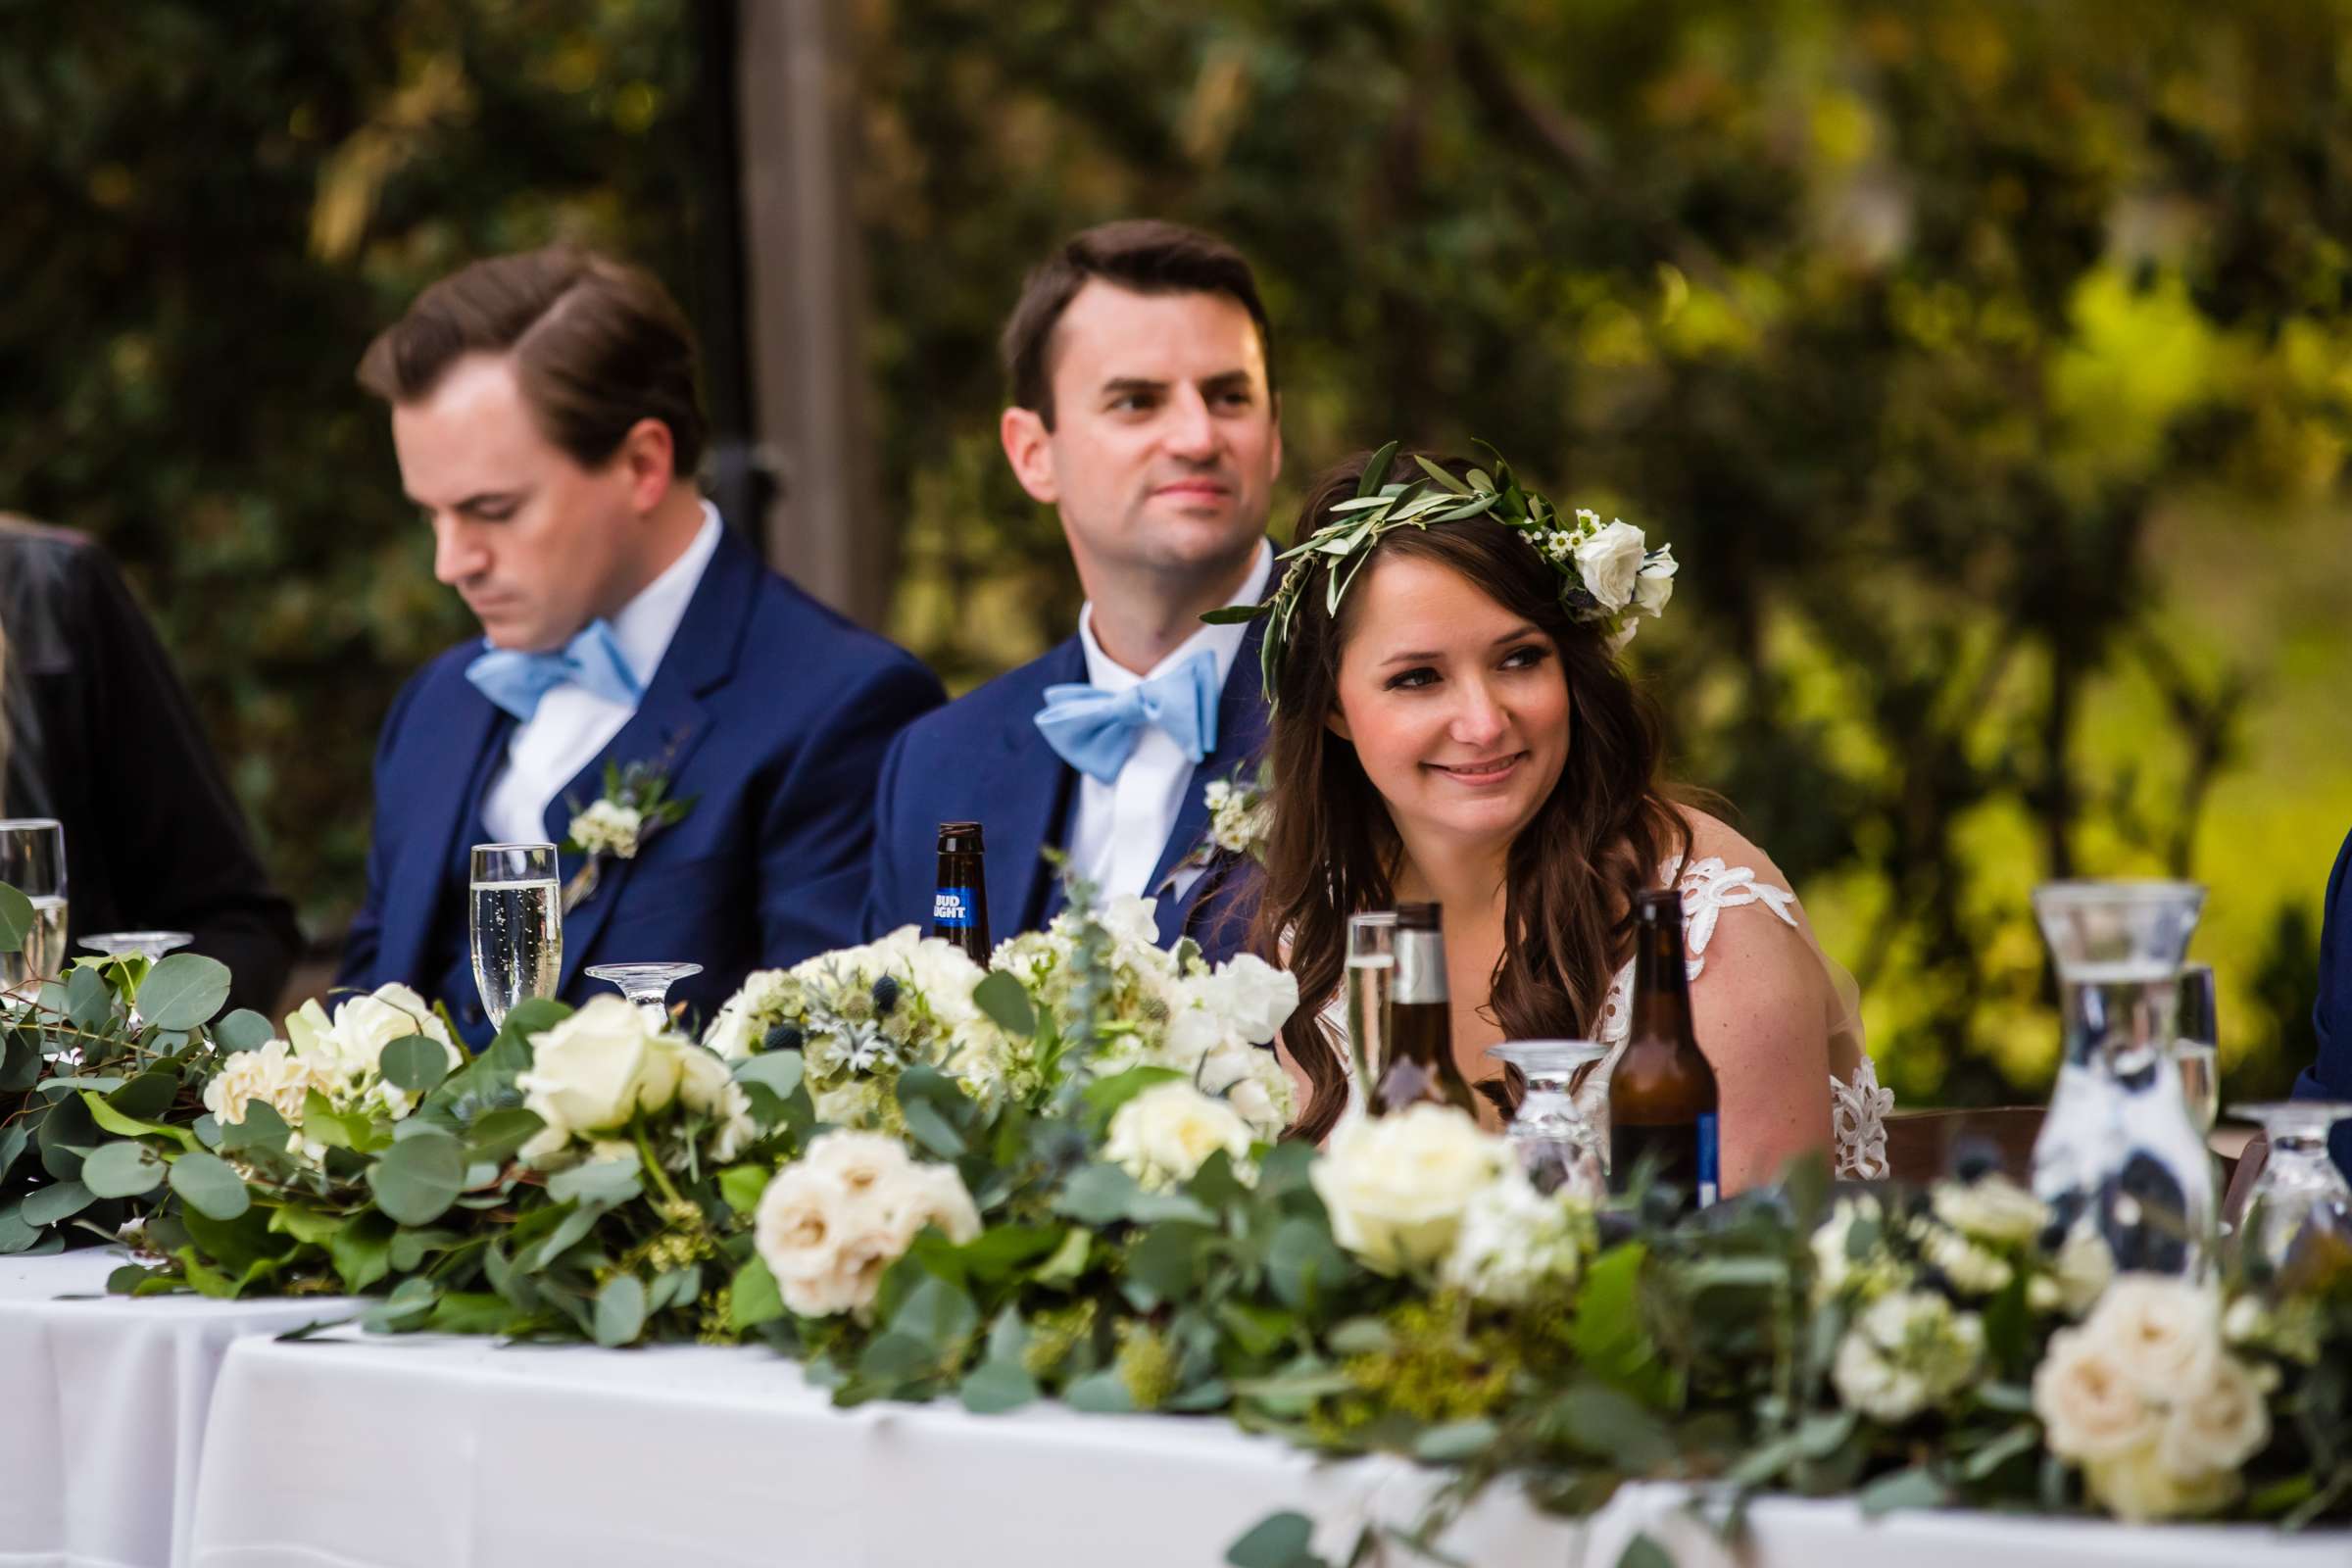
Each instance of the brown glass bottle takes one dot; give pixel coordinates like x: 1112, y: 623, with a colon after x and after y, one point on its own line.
x: 1420, y: 1066
x: 960, y: 905
x: 1662, y: 1097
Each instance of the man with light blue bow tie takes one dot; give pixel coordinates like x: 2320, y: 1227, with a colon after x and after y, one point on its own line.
x: 1144, y: 411
x: 547, y: 423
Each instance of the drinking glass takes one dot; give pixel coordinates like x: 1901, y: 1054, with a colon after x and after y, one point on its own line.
x: 2119, y: 1152
x: 2196, y: 1046
x: 2300, y: 1197
x: 32, y: 860
x: 647, y: 985
x: 1371, y: 977
x: 517, y: 921
x: 1556, y: 1144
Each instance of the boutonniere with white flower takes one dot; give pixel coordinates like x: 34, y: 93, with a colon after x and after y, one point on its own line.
x: 1239, y: 811
x: 634, y: 807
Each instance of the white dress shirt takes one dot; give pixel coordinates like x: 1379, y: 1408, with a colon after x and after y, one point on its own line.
x: 1122, y: 827
x: 573, y: 724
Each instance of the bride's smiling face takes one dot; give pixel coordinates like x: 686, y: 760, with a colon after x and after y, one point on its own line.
x: 1458, y: 708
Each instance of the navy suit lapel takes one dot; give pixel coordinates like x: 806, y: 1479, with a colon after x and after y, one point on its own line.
x: 447, y: 790
x: 668, y: 724
x: 1036, y: 786
x: 1241, y: 732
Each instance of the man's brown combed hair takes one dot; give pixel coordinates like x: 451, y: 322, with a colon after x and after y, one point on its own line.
x: 1145, y: 255
x: 598, y: 346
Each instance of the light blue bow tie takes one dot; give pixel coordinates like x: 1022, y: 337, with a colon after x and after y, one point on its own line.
x: 592, y: 661
x: 1094, y: 730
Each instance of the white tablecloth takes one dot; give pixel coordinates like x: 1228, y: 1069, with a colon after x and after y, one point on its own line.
x: 102, y: 1409
x: 432, y: 1452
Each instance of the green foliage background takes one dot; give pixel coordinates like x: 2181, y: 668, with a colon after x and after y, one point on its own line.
x: 1987, y: 363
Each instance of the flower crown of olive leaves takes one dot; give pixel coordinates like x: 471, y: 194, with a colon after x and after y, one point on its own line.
x: 1608, y: 573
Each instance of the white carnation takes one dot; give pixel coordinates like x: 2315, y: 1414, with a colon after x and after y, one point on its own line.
x: 272, y: 1074
x: 1163, y: 1135
x: 1396, y: 1188
x: 1610, y: 564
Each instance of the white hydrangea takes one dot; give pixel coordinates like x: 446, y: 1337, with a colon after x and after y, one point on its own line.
x: 1515, y: 1241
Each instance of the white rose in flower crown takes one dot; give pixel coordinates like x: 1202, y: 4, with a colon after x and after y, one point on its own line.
x: 1396, y: 1188
x: 1908, y: 1352
x: 1610, y: 564
x: 599, y: 1067
x: 1654, y: 585
x: 608, y: 827
x: 1163, y: 1135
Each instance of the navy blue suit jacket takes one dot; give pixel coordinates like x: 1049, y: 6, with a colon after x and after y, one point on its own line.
x: 772, y: 713
x: 2329, y: 1076
x: 983, y: 759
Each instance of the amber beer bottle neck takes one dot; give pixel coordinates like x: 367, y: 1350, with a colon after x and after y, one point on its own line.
x: 1661, y: 1001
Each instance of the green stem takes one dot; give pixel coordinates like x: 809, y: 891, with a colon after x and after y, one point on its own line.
x: 645, y: 1157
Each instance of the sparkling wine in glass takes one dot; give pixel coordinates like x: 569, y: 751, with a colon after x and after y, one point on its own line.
x: 2196, y: 1046
x: 647, y: 985
x: 517, y: 925
x: 2300, y: 1204
x: 32, y: 860
x: 1371, y: 975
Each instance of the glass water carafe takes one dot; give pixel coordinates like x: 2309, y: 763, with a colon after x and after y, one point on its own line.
x: 2120, y: 1152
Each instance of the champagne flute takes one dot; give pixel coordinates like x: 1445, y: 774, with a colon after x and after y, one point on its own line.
x: 1371, y: 975
x: 647, y: 985
x: 32, y: 860
x: 516, y: 922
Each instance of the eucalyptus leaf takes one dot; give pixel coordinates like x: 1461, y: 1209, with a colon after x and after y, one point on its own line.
x: 611, y: 1182
x: 12, y: 1138
x: 123, y: 1170
x: 780, y: 1071
x: 994, y: 1387
x: 416, y: 1063
x: 261, y: 1128
x: 1643, y: 1552
x: 209, y: 1186
x: 752, y: 1297
x: 20, y: 1061
x: 418, y: 1178
x: 1915, y: 1487
x: 16, y: 918
x: 621, y: 1310
x: 932, y: 1130
x: 46, y: 1205
x: 1100, y: 1393
x: 183, y: 991
x: 1007, y: 1004
x: 90, y: 999
x: 1281, y: 1541
x: 243, y: 1030
x: 1455, y: 1442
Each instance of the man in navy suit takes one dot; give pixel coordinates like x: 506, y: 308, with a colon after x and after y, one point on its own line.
x: 547, y: 423
x: 1144, y: 411
x: 2329, y: 1076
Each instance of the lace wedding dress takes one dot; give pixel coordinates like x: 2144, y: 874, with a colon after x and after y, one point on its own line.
x: 1709, y: 888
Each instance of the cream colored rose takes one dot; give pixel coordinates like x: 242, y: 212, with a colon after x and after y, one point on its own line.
x: 2163, y: 1332
x: 1164, y: 1134
x: 2137, y: 1485
x: 1610, y: 564
x: 830, y: 1225
x: 599, y: 1067
x: 704, y: 1085
x: 859, y: 1162
x: 2089, y: 1407
x: 2219, y: 1426
x: 927, y: 1195
x: 1397, y: 1187
x: 798, y: 1230
x: 1993, y: 1209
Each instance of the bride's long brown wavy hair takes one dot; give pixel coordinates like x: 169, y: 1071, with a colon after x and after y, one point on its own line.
x: 1572, y: 872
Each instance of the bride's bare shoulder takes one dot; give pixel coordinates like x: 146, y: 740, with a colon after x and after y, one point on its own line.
x: 1712, y: 838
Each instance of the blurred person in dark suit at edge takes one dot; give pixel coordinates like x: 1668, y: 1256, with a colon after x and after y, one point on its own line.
x: 1144, y: 410
x: 99, y: 733
x: 547, y: 427
x: 2329, y: 1076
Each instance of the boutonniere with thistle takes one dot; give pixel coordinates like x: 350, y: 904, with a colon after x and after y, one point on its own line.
x: 634, y: 807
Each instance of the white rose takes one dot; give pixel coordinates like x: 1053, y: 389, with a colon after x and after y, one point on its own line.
x: 829, y: 1226
x: 2218, y: 1427
x: 1132, y: 920
x: 860, y: 1162
x: 2164, y: 1333
x: 1164, y: 1134
x: 1515, y: 1241
x: 271, y: 1074
x: 2135, y: 1486
x: 1255, y: 997
x: 2089, y: 1408
x: 798, y: 1230
x: 1907, y: 1352
x: 917, y: 1196
x: 1610, y: 564
x: 599, y: 1067
x: 608, y: 827
x: 364, y: 1025
x: 1395, y: 1188
x: 1655, y: 583
x: 705, y: 1085
x: 1993, y: 1209
x: 2084, y: 1268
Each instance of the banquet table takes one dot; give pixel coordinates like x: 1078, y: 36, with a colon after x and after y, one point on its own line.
x: 403, y: 1452
x: 102, y: 1409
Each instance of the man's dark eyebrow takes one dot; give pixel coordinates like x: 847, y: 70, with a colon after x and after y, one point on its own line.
x: 1225, y: 379
x: 1120, y: 385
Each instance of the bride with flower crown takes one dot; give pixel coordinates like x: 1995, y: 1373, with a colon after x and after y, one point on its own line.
x: 1453, y: 724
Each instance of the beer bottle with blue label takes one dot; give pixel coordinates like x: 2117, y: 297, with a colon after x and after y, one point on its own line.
x: 960, y: 906
x: 1662, y: 1097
